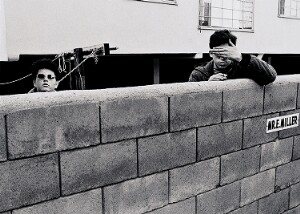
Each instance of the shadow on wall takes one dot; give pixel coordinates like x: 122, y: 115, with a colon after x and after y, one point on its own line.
x: 110, y: 71
x: 125, y: 70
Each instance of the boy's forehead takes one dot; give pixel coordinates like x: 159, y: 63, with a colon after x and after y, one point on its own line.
x: 45, y: 71
x: 223, y: 45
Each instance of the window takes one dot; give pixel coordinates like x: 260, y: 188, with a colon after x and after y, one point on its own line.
x: 161, y: 1
x: 230, y: 14
x: 289, y: 8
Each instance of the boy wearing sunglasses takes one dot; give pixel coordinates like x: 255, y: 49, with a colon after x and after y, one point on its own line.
x: 44, y: 74
x: 228, y: 63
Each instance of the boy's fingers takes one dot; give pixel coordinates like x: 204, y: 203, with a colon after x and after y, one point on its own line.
x: 217, y: 48
x: 216, y: 51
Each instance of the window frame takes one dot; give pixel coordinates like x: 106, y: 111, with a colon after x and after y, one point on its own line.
x: 286, y: 16
x: 201, y: 27
x: 171, y: 2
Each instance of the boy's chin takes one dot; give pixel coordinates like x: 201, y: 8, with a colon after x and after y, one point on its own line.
x: 222, y: 66
x: 46, y: 90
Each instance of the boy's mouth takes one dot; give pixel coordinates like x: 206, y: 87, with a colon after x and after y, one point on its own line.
x: 222, y: 65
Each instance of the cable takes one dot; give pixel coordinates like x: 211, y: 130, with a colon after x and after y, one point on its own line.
x: 28, y: 75
x: 6, y: 83
x: 89, y: 56
x: 92, y: 55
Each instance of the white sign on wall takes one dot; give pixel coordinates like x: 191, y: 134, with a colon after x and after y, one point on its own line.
x: 283, y: 122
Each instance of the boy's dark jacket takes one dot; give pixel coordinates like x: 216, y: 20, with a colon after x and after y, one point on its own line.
x: 250, y: 67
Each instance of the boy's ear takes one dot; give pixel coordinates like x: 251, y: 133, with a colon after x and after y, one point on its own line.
x: 34, y: 83
x: 56, y: 85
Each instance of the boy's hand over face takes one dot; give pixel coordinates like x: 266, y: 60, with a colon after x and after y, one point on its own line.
x: 230, y: 52
x: 218, y: 77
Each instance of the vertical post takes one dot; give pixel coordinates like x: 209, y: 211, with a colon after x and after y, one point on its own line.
x: 269, y: 60
x: 106, y: 50
x: 156, y: 71
x: 79, y: 76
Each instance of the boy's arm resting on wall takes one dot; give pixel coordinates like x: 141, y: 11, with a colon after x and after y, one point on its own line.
x: 258, y: 70
x: 201, y: 73
x: 198, y: 75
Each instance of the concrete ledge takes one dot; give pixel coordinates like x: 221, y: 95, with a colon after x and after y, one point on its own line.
x: 11, y: 103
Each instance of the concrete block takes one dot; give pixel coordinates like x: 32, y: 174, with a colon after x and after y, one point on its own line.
x: 242, y: 103
x: 98, y: 166
x: 194, y: 110
x: 298, y: 97
x: 45, y: 130
x: 288, y: 174
x: 257, y: 186
x: 3, y: 148
x: 28, y: 181
x: 84, y: 203
x: 131, y: 118
x: 291, y: 131
x: 238, y: 165
x: 280, y: 97
x: 248, y: 209
x: 255, y: 131
x: 274, y: 203
x: 220, y: 200
x: 137, y: 196
x: 187, y: 207
x: 295, y: 195
x: 193, y: 179
x: 293, y: 211
x: 276, y: 153
x: 296, y: 148
x: 219, y: 139
x: 166, y: 151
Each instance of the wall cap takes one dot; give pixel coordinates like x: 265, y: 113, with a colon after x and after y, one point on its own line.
x: 12, y: 103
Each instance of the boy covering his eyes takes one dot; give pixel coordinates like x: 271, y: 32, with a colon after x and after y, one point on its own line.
x: 229, y: 63
x: 44, y: 75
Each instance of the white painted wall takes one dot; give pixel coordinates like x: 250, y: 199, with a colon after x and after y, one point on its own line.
x: 3, y: 50
x: 54, y: 26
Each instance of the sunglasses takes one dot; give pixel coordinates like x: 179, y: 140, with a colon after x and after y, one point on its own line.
x: 42, y: 76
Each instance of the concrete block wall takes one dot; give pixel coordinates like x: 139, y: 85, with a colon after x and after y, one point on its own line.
x: 192, y: 148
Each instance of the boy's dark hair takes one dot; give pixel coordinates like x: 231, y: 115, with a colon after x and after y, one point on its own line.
x: 44, y: 64
x: 221, y: 37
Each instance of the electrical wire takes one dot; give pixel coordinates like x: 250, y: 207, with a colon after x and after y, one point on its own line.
x: 61, y: 69
x: 28, y: 75
x: 92, y: 55
x: 7, y: 83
